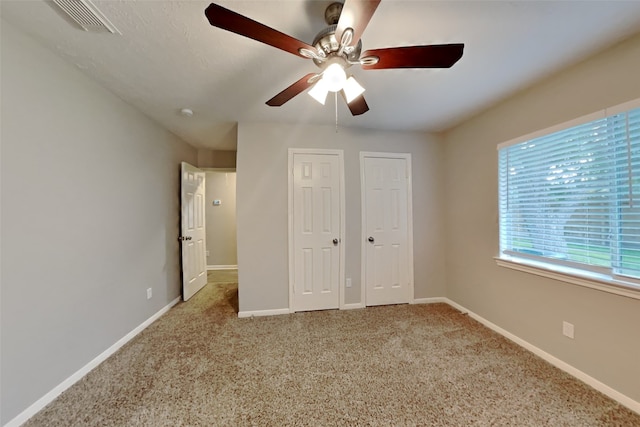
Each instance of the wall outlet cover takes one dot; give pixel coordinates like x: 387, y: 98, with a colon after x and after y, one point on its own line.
x: 567, y: 329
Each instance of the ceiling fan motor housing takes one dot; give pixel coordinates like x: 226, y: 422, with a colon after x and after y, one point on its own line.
x: 332, y: 13
x: 327, y: 45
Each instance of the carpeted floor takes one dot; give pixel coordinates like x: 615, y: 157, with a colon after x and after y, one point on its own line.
x: 409, y: 365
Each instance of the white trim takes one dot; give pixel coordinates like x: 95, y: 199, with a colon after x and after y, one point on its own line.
x: 341, y: 274
x: 290, y: 227
x: 260, y: 313
x: 363, y: 236
x: 80, y: 373
x: 433, y: 300
x: 622, y: 108
x: 343, y: 233
x: 352, y: 306
x: 587, y: 279
x: 363, y: 220
x: 222, y: 267
x: 460, y: 308
x: 600, y: 114
x: 587, y: 379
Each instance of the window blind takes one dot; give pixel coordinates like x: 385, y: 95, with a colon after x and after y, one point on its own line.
x: 573, y: 196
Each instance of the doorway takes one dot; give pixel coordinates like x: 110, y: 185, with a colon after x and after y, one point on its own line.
x: 220, y: 214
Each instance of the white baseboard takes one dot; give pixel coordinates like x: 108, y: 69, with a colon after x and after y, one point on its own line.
x: 352, y: 306
x: 589, y: 380
x: 465, y: 311
x: 433, y: 300
x: 222, y: 267
x: 259, y: 313
x: 75, y: 377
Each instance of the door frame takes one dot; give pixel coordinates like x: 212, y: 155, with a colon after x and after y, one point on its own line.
x: 363, y: 219
x: 234, y: 170
x: 340, y: 154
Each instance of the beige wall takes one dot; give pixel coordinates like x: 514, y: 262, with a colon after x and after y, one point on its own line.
x: 607, y: 338
x: 90, y: 216
x: 221, y: 219
x: 262, y: 206
x: 216, y: 159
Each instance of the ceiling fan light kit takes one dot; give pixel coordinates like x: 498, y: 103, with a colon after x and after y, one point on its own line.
x: 335, y: 49
x: 334, y: 77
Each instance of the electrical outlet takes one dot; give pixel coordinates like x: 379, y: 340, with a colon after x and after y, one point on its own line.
x: 348, y: 282
x: 149, y: 293
x: 567, y: 329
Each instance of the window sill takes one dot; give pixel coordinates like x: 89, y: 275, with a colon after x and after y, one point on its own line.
x: 588, y: 279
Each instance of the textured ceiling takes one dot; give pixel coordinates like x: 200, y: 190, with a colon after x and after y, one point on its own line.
x: 169, y: 57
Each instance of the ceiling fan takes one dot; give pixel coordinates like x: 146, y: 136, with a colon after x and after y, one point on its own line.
x: 335, y: 49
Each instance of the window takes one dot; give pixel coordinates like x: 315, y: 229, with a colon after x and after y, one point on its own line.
x: 572, y: 197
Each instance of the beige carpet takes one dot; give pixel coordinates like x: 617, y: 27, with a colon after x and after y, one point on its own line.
x: 427, y: 365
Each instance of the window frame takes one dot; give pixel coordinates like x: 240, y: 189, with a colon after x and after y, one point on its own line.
x: 590, y: 276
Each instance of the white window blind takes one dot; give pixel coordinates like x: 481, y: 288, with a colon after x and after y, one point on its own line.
x: 572, y: 197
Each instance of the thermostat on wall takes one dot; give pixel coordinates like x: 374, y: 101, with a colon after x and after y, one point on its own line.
x: 217, y: 202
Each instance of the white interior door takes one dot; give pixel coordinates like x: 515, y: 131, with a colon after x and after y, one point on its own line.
x: 194, y: 270
x: 388, y: 270
x: 316, y: 224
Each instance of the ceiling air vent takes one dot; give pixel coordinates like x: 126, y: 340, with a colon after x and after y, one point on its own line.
x: 87, y: 15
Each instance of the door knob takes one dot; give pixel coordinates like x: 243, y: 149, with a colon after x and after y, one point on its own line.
x: 371, y: 239
x: 335, y: 242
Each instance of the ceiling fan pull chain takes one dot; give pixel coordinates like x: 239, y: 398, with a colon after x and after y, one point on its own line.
x: 336, y: 104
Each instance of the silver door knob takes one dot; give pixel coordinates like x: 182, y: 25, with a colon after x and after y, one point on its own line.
x: 371, y: 239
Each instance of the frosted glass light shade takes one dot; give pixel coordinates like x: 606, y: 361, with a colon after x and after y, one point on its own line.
x: 352, y: 89
x: 319, y: 91
x: 334, y: 77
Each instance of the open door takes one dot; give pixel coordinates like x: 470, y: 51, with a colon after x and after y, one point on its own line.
x: 194, y: 270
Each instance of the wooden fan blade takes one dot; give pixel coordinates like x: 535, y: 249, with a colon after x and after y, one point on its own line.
x: 293, y: 90
x: 229, y: 20
x: 355, y: 14
x: 432, y: 56
x: 357, y: 106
